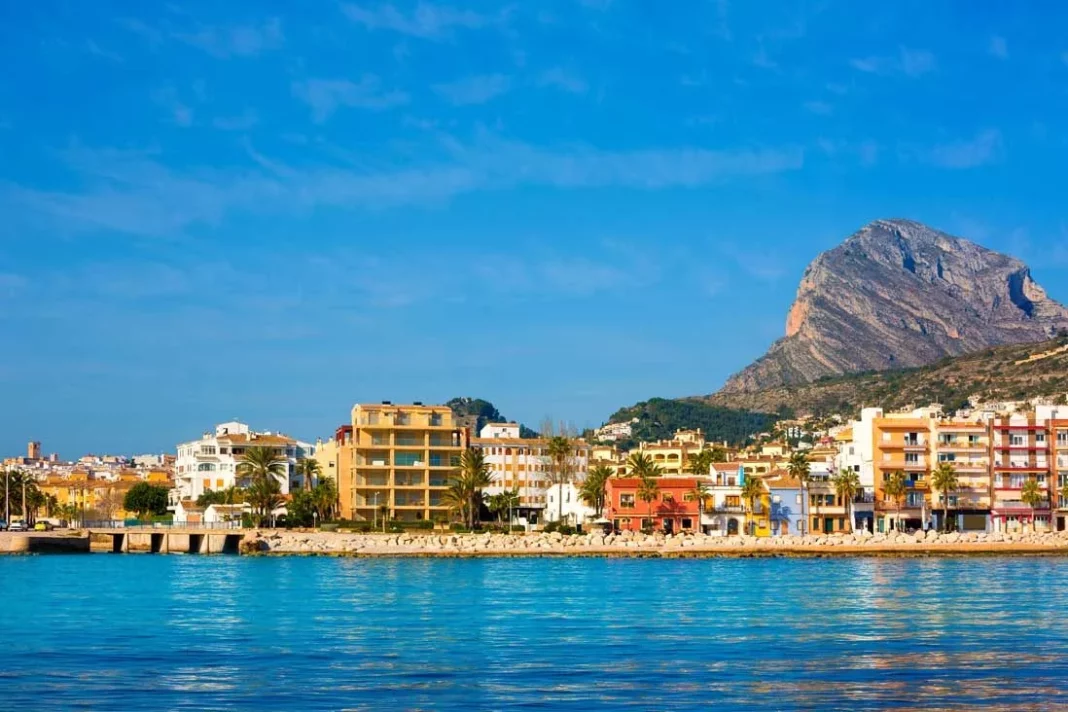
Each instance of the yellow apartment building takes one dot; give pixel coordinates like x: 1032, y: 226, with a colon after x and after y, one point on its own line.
x: 966, y: 446
x: 671, y: 456
x: 901, y: 443
x: 396, y: 460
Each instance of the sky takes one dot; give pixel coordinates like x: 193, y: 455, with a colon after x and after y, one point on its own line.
x: 270, y: 211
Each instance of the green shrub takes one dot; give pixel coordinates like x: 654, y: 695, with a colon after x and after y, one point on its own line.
x: 459, y: 528
x: 550, y: 527
x: 331, y: 527
x: 566, y: 529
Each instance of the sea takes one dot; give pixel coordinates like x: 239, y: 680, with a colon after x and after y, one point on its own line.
x: 186, y: 632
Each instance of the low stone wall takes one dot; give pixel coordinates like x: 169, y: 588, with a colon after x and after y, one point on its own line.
x: 43, y: 543
x: 634, y: 544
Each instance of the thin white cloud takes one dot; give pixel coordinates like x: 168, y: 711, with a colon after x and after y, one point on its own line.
x: 96, y: 50
x: 325, y: 96
x: 137, y: 194
x: 179, y: 112
x: 561, y: 79
x: 427, y: 21
x: 236, y: 40
x: 473, y: 90
x: 998, y: 47
x: 908, y: 62
x: 984, y: 148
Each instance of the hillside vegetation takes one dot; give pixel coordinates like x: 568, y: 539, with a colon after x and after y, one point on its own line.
x: 659, y: 418
x: 1015, y: 372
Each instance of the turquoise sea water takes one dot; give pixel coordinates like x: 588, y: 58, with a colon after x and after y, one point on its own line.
x: 124, y: 632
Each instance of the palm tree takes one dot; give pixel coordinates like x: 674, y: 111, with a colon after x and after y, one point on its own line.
x: 700, y: 493
x: 469, y: 479
x: 503, y: 503
x: 641, y: 465
x: 944, y: 479
x: 895, y: 488
x: 647, y: 492
x: 308, y: 468
x: 324, y: 497
x: 1064, y: 495
x: 1032, y: 495
x: 560, y: 450
x: 847, y: 485
x: 751, y: 492
x: 262, y: 467
x: 699, y: 463
x: 799, y: 469
x: 593, y: 487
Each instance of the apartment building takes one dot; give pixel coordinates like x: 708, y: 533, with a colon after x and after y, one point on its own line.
x: 964, y: 444
x: 674, y: 508
x: 901, y: 442
x: 211, y: 462
x: 396, y: 461
x: 1021, y: 451
x: 524, y: 464
x: 671, y: 456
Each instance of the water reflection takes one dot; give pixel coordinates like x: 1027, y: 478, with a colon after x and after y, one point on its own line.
x: 173, y: 632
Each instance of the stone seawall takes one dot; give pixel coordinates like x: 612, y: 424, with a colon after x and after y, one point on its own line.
x: 633, y: 544
x: 43, y: 543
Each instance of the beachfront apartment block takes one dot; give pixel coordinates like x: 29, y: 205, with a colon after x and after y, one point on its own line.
x: 524, y: 465
x: 394, y: 461
x: 211, y: 463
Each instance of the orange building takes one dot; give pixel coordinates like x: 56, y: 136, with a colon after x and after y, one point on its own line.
x: 674, y: 509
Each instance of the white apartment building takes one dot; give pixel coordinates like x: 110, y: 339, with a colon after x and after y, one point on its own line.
x: 210, y: 463
x: 616, y: 431
x: 524, y: 464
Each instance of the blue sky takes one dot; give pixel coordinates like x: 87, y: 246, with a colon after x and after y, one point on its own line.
x: 272, y: 210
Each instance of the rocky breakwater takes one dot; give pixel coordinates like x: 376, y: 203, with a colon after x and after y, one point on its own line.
x: 656, y: 545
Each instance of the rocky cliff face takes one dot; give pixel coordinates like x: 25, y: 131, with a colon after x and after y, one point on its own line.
x: 897, y: 294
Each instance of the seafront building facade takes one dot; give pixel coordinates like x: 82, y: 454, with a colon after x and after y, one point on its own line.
x: 395, y: 461
x: 211, y: 463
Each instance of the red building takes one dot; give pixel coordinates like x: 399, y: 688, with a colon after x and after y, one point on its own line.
x: 674, y: 509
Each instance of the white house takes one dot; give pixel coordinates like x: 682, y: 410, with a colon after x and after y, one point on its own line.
x: 574, y: 510
x: 210, y: 463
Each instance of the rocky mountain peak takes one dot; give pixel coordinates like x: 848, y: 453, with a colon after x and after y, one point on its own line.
x: 898, y: 293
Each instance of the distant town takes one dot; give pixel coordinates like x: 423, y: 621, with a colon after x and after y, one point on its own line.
x: 992, y: 467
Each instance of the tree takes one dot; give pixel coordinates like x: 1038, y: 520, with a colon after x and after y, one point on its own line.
x: 324, y: 498
x: 944, y: 479
x: 751, y: 492
x: 108, y: 502
x: 593, y: 487
x: 1032, y: 495
x: 648, y: 490
x: 641, y: 465
x: 719, y: 454
x: 895, y: 488
x: 468, y: 481
x: 261, y: 469
x: 503, y: 503
x: 700, y: 463
x: 798, y: 468
x: 301, y: 509
x: 847, y: 486
x: 561, y: 451
x: 309, y: 470
x: 700, y: 493
x: 1064, y: 495
x: 144, y: 499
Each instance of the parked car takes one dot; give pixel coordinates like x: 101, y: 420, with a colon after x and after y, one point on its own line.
x: 43, y: 526
x: 18, y: 527
x: 3, y: 525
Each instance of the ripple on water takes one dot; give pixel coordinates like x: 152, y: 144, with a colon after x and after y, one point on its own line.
x: 168, y: 632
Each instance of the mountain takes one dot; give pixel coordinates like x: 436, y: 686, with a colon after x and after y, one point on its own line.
x: 477, y: 412
x: 900, y: 294
x: 1014, y: 372
x: 659, y: 418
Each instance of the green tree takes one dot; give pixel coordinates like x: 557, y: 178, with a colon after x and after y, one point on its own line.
x: 895, y: 488
x: 799, y: 469
x: 504, y: 503
x: 700, y: 494
x: 301, y: 509
x: 847, y: 486
x: 145, y: 499
x: 648, y: 490
x: 261, y: 470
x: 752, y: 490
x: 1032, y: 495
x: 700, y: 462
x: 1064, y: 495
x: 308, y: 468
x: 468, y: 481
x: 324, y: 498
x: 641, y: 465
x: 593, y: 487
x: 561, y: 455
x: 944, y: 479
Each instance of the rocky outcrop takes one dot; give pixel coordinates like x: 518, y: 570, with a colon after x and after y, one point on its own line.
x: 900, y: 294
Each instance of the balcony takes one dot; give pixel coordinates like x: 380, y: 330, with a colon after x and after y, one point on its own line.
x: 1014, y: 506
x: 727, y: 509
x: 371, y: 479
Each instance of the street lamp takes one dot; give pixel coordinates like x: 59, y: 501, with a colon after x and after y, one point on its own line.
x: 374, y: 512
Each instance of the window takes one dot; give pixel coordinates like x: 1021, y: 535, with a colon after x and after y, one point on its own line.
x: 1040, y: 438
x: 912, y: 457
x: 886, y: 437
x: 1016, y: 440
x: 668, y: 497
x: 797, y: 499
x: 626, y: 500
x: 947, y: 457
